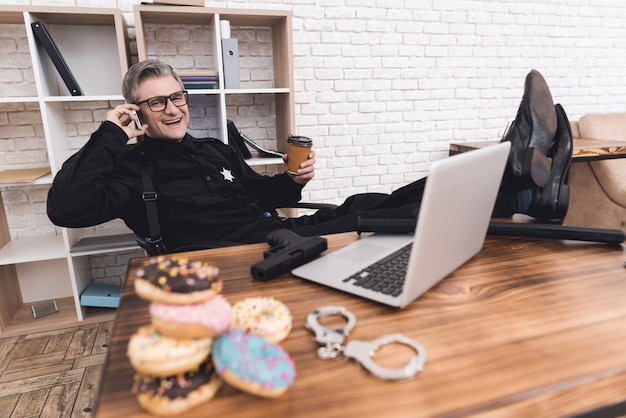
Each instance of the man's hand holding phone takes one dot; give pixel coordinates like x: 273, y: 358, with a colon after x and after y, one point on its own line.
x: 125, y: 116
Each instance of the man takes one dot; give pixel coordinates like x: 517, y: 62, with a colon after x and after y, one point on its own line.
x: 207, y: 196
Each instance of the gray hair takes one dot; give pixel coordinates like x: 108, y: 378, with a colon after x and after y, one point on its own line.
x: 144, y: 70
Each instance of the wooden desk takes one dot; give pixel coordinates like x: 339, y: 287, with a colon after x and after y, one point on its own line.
x: 525, y: 328
x: 584, y: 149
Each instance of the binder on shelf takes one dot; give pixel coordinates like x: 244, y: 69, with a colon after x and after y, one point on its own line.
x: 236, y: 141
x: 239, y: 141
x: 230, y: 56
x: 263, y: 152
x: 43, y: 37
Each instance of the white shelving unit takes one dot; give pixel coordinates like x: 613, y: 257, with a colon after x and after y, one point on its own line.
x: 93, y: 42
x: 266, y: 66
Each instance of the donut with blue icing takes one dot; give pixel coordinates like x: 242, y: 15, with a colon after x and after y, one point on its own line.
x: 253, y: 364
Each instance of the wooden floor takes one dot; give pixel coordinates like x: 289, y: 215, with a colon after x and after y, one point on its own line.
x: 54, y: 373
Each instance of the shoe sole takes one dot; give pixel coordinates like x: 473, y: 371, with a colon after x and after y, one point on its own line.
x: 536, y: 165
x: 543, y: 117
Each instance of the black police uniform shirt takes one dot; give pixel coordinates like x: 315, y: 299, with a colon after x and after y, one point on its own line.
x: 205, y: 190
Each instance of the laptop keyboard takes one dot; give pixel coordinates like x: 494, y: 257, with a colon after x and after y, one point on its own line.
x: 386, y: 275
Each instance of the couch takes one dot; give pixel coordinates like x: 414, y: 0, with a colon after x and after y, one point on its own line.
x: 598, y: 188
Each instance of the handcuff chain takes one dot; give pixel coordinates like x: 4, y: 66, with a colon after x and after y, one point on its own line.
x: 329, y: 351
x: 332, y: 339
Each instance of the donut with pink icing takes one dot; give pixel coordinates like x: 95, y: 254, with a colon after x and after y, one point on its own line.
x: 199, y: 320
x: 177, y: 280
x: 253, y: 364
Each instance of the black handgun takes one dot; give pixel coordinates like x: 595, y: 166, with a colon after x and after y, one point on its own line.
x: 289, y: 250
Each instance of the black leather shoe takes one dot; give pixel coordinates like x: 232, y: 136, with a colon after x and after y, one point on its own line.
x: 551, y: 201
x: 531, y: 135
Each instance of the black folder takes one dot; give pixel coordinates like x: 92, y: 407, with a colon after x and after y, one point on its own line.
x: 43, y: 37
x: 236, y: 141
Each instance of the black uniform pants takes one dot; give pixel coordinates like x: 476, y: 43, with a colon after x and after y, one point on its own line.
x: 403, y: 203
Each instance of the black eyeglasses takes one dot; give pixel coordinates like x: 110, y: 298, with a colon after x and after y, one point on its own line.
x: 159, y: 103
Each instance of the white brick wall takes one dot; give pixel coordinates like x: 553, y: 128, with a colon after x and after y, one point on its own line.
x: 383, y: 87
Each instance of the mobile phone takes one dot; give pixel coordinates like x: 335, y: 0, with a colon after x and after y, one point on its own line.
x: 137, y: 121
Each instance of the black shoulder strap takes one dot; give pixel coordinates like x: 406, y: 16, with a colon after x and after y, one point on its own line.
x: 154, y: 243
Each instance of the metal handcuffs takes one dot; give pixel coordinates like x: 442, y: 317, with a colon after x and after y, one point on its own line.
x: 361, y: 351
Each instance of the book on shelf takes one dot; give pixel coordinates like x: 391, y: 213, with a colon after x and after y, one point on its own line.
x: 199, y: 79
x: 196, y: 73
x: 189, y: 85
x: 43, y: 37
x: 195, y: 78
x: 197, y: 86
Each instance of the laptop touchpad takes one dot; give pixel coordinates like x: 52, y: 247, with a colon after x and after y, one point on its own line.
x: 365, y: 252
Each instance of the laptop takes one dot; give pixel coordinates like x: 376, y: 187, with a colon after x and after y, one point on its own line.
x: 454, y: 216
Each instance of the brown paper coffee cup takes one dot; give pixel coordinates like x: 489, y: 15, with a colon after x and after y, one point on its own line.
x: 298, y: 150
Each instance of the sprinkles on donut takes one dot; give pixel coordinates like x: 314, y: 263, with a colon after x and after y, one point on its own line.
x: 253, y: 364
x: 264, y: 316
x: 178, y: 393
x: 177, y: 280
x: 151, y: 352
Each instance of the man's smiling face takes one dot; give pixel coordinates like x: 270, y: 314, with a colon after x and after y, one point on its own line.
x: 172, y: 122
